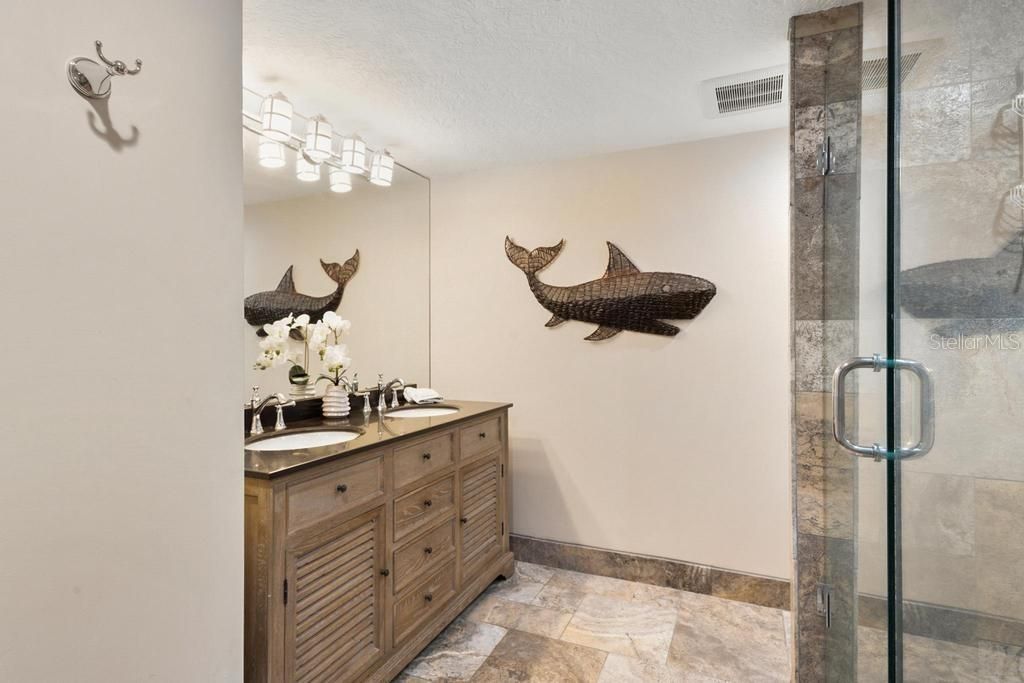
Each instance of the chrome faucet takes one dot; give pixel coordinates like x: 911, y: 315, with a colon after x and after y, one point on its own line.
x: 383, y: 388
x: 257, y: 406
x: 353, y: 387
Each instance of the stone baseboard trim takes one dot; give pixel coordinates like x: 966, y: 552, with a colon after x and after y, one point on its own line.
x: 696, y: 578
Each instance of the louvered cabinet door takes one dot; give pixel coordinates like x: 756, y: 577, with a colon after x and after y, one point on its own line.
x: 335, y: 601
x: 480, y: 517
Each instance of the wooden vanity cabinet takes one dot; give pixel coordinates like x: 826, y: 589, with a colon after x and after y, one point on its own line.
x: 352, y: 567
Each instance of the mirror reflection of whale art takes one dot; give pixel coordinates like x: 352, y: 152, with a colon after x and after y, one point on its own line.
x: 622, y: 299
x: 974, y: 295
x: 266, y: 307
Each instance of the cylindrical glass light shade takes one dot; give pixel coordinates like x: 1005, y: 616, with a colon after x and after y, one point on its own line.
x: 271, y: 154
x: 1018, y: 104
x: 1017, y: 195
x: 382, y: 169
x: 305, y: 170
x: 276, y: 117
x: 318, y: 139
x: 340, y: 180
x: 353, y: 154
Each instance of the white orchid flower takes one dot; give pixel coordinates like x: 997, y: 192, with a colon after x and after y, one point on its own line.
x: 272, y: 344
x: 330, y: 318
x: 336, y: 358
x: 317, y: 335
x: 269, y: 359
x: 300, y: 321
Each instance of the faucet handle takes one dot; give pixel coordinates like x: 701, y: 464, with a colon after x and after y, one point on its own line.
x: 255, y: 399
x: 279, y: 425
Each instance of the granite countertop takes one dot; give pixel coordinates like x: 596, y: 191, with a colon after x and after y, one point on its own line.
x: 375, y: 432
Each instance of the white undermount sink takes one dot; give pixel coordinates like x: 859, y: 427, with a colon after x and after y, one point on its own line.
x: 422, y: 411
x: 300, y: 440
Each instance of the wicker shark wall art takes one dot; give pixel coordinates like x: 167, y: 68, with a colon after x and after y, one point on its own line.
x: 624, y: 298
x: 969, y: 296
x: 266, y: 307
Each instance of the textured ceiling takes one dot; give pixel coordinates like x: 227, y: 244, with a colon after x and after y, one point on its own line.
x: 451, y: 86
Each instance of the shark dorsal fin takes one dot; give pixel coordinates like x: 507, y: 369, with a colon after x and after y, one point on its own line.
x: 287, y: 284
x: 618, y: 263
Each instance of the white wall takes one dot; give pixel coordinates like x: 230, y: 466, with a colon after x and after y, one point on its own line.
x: 120, y: 434
x: 387, y: 300
x: 675, y: 447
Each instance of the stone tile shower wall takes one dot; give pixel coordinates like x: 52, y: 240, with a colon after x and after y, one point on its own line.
x: 826, y: 58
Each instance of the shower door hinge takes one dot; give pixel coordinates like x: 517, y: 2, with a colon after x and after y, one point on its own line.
x: 826, y: 160
x: 823, y: 603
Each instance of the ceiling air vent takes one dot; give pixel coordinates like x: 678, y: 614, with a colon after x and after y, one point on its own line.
x: 744, y: 92
x: 875, y: 74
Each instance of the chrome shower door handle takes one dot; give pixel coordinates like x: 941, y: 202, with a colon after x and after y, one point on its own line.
x: 927, y: 407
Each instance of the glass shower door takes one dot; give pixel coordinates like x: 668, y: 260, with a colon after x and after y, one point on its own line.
x: 940, y: 536
x: 961, y: 312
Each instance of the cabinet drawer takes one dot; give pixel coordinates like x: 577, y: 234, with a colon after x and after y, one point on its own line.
x: 330, y: 494
x: 424, y: 506
x: 480, y: 438
x: 423, y: 600
x: 421, y: 459
x: 424, y: 554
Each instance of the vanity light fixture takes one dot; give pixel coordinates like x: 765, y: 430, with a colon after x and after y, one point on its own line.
x: 1018, y: 104
x: 276, y: 118
x: 382, y: 169
x: 353, y: 154
x: 273, y: 118
x: 318, y: 139
x: 1017, y: 195
x: 306, y: 170
x: 271, y: 154
x: 340, y: 181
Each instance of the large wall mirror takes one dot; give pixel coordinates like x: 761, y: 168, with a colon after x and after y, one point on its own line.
x: 289, y: 222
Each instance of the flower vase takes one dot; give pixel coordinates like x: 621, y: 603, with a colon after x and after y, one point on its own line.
x: 335, y: 401
x: 302, y: 391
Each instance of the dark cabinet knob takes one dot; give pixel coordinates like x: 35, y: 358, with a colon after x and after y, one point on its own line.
x: 428, y: 597
x: 463, y: 519
x: 427, y: 503
x: 385, y: 571
x: 426, y: 456
x: 342, y: 488
x: 482, y: 435
x: 428, y: 550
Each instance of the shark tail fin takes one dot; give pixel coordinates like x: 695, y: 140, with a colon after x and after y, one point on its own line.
x: 531, y: 262
x: 342, y: 273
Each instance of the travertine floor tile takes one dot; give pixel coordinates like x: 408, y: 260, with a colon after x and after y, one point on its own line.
x: 457, y: 653
x: 636, y: 629
x: 524, y: 585
x: 730, y: 640
x: 527, y: 657
x: 540, y: 621
x: 589, y: 584
x: 621, y: 669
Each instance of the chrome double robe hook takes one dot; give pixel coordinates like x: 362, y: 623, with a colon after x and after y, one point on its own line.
x: 92, y: 79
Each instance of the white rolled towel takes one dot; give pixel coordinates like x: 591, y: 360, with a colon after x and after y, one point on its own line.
x: 420, y: 396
